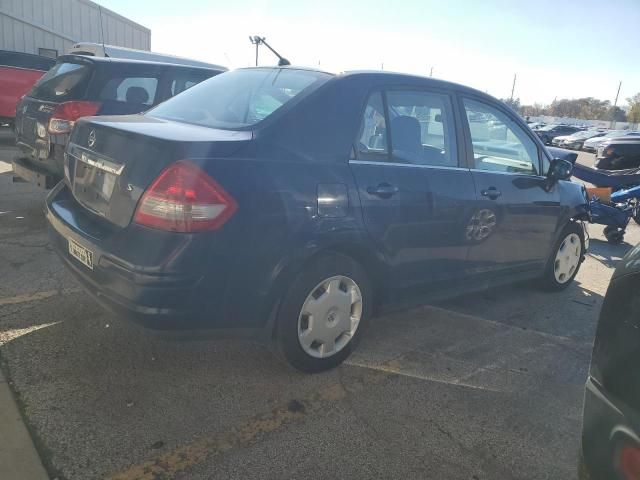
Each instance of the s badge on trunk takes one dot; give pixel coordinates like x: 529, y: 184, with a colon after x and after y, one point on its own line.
x: 91, y: 140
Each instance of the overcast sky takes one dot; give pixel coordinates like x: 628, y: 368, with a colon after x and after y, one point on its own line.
x: 556, y: 49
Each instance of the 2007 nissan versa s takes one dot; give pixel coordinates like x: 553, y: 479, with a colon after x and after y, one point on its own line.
x: 297, y: 203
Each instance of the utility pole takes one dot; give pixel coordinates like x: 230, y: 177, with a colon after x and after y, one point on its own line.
x: 613, y: 110
x: 382, y: 66
x: 256, y: 40
x: 431, y: 72
x: 513, y: 87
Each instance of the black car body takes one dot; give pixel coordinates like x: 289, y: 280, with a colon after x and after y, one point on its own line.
x: 549, y: 132
x: 402, y: 184
x: 80, y: 85
x: 611, y: 420
x: 619, y: 153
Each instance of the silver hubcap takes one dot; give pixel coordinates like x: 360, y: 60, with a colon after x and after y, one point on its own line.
x: 567, y: 258
x: 329, y: 316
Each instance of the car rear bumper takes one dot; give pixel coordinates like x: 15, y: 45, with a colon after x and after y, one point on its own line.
x: 34, y: 173
x: 155, y: 299
x: 606, y: 427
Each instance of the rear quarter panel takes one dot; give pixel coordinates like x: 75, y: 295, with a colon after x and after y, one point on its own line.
x: 277, y: 228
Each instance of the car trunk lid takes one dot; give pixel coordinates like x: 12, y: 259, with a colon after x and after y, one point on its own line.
x: 111, y: 160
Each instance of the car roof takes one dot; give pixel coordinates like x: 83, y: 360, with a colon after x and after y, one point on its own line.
x: 625, y: 139
x: 390, y: 78
x: 402, y: 78
x: 129, y: 61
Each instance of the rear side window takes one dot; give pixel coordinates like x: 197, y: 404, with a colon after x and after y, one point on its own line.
x: 65, y: 81
x: 240, y: 98
x: 134, y: 90
x: 373, y: 134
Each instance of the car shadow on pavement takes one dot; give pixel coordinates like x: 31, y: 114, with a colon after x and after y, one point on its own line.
x: 571, y: 313
x: 606, y: 253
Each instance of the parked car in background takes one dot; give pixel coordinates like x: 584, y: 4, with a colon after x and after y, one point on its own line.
x: 576, y: 140
x: 619, y: 153
x: 81, y: 85
x: 18, y: 73
x: 112, y: 51
x: 549, y: 132
x: 536, y: 125
x: 287, y: 212
x: 611, y: 418
x: 557, y: 141
x: 592, y: 144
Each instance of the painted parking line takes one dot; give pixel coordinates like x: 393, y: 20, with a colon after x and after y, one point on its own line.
x: 178, y: 460
x: 395, y: 367
x: 7, y: 336
x: 32, y: 297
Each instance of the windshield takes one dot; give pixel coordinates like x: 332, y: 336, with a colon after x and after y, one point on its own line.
x: 546, y: 128
x: 65, y: 81
x: 240, y: 98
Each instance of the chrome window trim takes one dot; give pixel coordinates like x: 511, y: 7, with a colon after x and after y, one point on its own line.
x: 530, y: 175
x: 415, y: 165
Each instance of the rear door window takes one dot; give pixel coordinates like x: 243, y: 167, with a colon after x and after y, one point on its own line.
x: 65, y: 81
x: 132, y: 90
x: 421, y: 127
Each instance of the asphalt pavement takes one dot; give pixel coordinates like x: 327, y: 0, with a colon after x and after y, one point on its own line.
x: 485, y: 386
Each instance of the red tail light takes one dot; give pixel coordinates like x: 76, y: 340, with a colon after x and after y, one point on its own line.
x: 630, y: 463
x: 65, y: 114
x: 185, y: 199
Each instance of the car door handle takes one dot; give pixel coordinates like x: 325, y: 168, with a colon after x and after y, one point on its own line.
x: 491, y: 192
x: 383, y: 190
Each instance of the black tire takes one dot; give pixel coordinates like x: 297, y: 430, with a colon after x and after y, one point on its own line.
x: 614, y: 235
x: 548, y: 280
x: 326, y: 266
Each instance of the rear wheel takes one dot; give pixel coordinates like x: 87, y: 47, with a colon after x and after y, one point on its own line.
x: 323, y: 313
x: 565, y: 259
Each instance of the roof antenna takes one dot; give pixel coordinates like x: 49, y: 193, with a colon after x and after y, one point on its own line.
x: 257, y: 41
x: 104, y: 50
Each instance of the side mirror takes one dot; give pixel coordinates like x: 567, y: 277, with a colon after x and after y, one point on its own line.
x: 559, y: 169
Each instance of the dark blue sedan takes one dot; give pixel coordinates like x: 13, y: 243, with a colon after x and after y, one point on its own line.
x: 296, y: 203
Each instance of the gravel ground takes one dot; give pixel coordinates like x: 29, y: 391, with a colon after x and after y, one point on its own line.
x: 484, y: 386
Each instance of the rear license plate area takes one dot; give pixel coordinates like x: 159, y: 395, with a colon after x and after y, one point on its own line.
x: 80, y: 253
x: 93, y: 186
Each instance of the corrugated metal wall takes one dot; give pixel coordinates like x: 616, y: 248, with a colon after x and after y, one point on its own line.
x: 27, y: 25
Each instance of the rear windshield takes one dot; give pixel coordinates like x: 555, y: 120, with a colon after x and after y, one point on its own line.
x: 65, y: 81
x: 240, y: 98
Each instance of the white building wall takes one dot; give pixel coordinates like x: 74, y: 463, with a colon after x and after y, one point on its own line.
x: 27, y: 25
